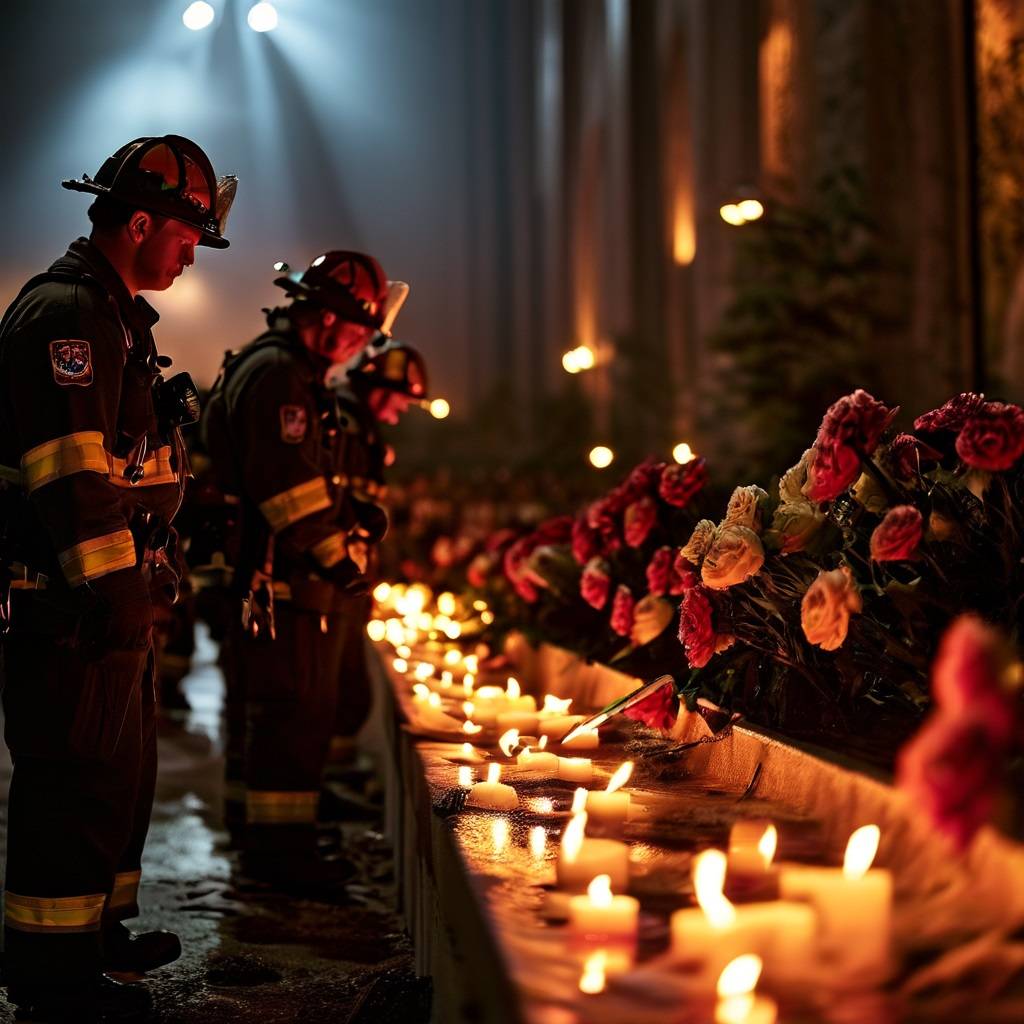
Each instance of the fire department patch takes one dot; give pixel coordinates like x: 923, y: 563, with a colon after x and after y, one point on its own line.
x: 293, y: 424
x: 72, y: 361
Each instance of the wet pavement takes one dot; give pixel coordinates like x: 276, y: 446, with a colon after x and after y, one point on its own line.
x: 250, y: 952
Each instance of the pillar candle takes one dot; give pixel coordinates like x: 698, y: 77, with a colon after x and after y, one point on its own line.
x: 576, y: 769
x: 601, y: 916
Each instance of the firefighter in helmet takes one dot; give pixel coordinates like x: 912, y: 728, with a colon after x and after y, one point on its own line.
x: 273, y: 432
x: 385, y: 380
x: 93, y: 467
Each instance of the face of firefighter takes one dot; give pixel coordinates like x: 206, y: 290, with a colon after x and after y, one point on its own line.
x: 340, y: 340
x: 387, y: 405
x: 163, y: 249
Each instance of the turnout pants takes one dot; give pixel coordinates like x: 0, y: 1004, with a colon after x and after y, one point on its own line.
x: 82, y: 738
x: 291, y: 686
x: 354, y: 695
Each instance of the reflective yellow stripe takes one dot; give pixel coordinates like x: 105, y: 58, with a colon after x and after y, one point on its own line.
x: 126, y: 889
x: 296, y: 503
x: 64, y: 914
x: 331, y: 550
x: 268, y: 807
x: 157, y: 469
x: 98, y: 556
x: 75, y: 453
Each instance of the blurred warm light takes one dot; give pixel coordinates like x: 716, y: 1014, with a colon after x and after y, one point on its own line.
x: 439, y: 408
x: 262, y: 17
x: 601, y: 457
x: 493, y: 773
x: 538, y: 841
x: 578, y: 359
x: 381, y: 592
x: 592, y: 980
x: 739, y: 976
x: 471, y: 728
x: 708, y: 880
x: 600, y: 891
x: 683, y: 453
x: 403, y: 651
x: 499, y: 833
x: 508, y: 740
x: 452, y: 657
x: 750, y: 209
x: 446, y: 603
x: 768, y: 844
x: 465, y: 776
x: 487, y: 617
x: 512, y: 688
x: 400, y: 665
x: 376, y: 630
x: 861, y: 850
x: 472, y: 662
x: 556, y: 705
x: 572, y: 838
x: 423, y: 671
x: 684, y: 236
x: 579, y: 800
x: 453, y: 630
x: 730, y: 213
x: 198, y: 15
x: 621, y: 777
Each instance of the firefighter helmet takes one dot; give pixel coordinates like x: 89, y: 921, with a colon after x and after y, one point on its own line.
x: 168, y: 175
x: 394, y: 366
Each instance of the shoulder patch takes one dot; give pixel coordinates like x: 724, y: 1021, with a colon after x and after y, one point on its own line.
x: 293, y: 423
x: 71, y: 360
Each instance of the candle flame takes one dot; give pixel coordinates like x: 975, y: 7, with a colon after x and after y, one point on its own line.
x: 621, y: 777
x: 468, y: 707
x: 403, y: 651
x: 446, y: 603
x: 861, y: 850
x: 768, y: 844
x: 508, y: 741
x: 513, y: 690
x: 543, y: 743
x: 467, y: 749
x: 538, y: 841
x: 556, y: 705
x: 740, y: 976
x: 472, y: 663
x: 423, y: 671
x: 434, y: 700
x: 600, y: 891
x: 400, y: 665
x: 499, y: 832
x: 493, y: 772
x: 465, y: 776
x: 593, y: 978
x: 376, y: 630
x: 572, y: 838
x: 471, y: 728
x: 452, y: 657
x: 708, y: 880
x: 490, y: 693
x: 467, y: 686
x: 447, y: 679
x: 421, y: 690
x: 579, y: 800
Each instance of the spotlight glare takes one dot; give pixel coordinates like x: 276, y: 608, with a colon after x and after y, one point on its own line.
x: 750, y: 209
x: 601, y: 456
x: 198, y: 16
x: 439, y: 408
x: 262, y: 17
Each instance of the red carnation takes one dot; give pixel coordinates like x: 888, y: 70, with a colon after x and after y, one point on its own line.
x: 602, y: 516
x: 622, y: 610
x: 906, y: 455
x: 659, y: 572
x: 679, y: 484
x: 585, y: 542
x: 658, y: 711
x: 685, y: 575
x: 850, y: 431
x: 639, y: 521
x: 643, y: 481
x: 595, y: 583
x: 514, y: 564
x: 556, y: 530
x: 696, y: 632
x: 951, y: 416
x: 896, y: 537
x: 993, y: 437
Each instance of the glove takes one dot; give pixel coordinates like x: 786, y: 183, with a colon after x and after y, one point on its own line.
x: 118, y: 612
x: 371, y: 521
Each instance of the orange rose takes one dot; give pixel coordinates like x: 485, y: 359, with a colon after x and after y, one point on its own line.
x: 827, y: 606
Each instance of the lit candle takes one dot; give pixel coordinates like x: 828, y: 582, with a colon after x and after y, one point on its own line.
x: 586, y: 740
x: 508, y: 741
x: 557, y: 726
x: 601, y: 916
x: 737, y: 1003
x: 581, y: 858
x: 493, y: 795
x: 854, y: 906
x: 524, y: 721
x: 555, y: 705
x: 516, y: 700
x: 609, y: 809
x: 467, y: 754
x: 752, y: 845
x: 575, y: 769
x: 465, y: 776
x: 592, y: 980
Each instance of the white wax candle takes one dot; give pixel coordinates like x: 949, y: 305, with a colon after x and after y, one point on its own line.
x: 494, y: 796
x: 525, y: 703
x: 749, y: 1009
x: 601, y: 916
x: 556, y: 726
x: 539, y: 761
x: 576, y: 769
x: 466, y: 754
x: 752, y: 845
x: 595, y: 857
x: 582, y: 741
x: 607, y: 809
x: 524, y: 721
x: 854, y: 917
x: 485, y: 714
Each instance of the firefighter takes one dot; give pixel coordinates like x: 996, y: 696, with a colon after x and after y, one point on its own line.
x: 272, y: 430
x: 93, y: 466
x: 384, y: 381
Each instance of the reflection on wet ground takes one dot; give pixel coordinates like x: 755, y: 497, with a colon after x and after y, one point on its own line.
x: 251, y: 953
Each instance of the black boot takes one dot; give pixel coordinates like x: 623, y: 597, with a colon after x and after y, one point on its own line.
x: 124, y: 951
x: 102, y: 1001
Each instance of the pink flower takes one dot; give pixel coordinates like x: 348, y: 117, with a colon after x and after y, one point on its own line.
x: 850, y: 431
x: 951, y: 416
x: 639, y: 521
x: 993, y: 437
x: 603, y: 517
x: 659, y: 572
x: 585, y: 542
x: 906, y: 455
x: 595, y: 583
x: 696, y: 632
x: 897, y: 536
x: 658, y: 711
x: 679, y: 484
x: 622, y: 610
x: 685, y: 575
x: 514, y: 564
